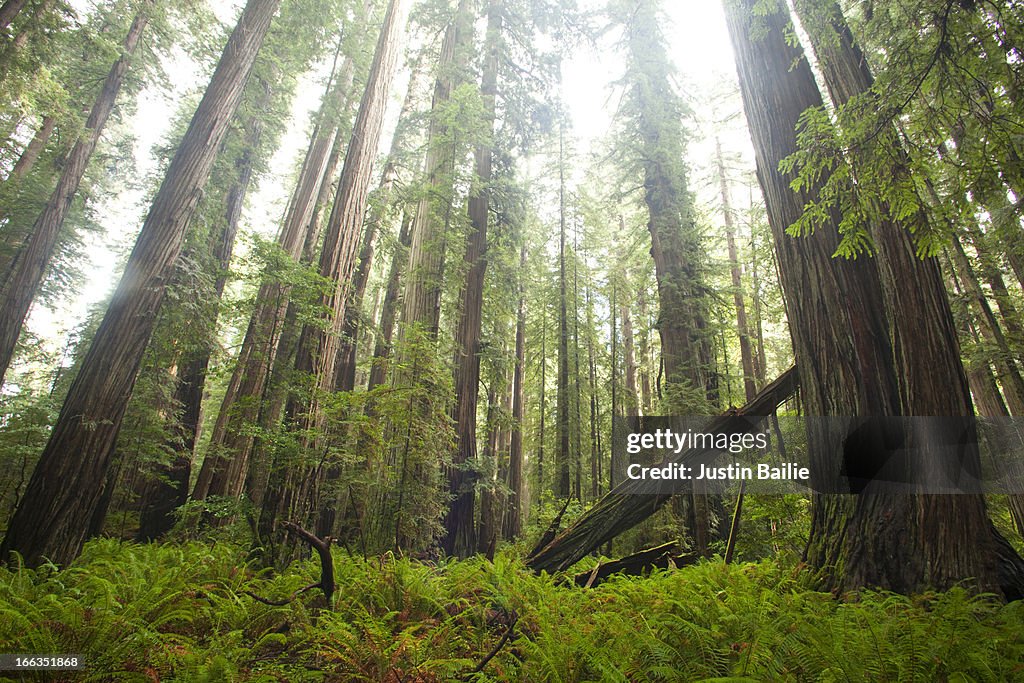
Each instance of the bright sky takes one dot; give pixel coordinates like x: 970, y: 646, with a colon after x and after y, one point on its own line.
x: 699, y: 47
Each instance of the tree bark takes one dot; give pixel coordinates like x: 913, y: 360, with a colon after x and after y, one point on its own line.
x: 459, y: 537
x: 425, y: 273
x: 742, y: 329
x: 8, y: 11
x: 231, y: 441
x: 514, y: 515
x: 901, y: 542
x: 26, y: 270
x: 50, y: 522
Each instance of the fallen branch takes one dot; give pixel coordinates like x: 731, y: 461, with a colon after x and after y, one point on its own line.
x: 658, y: 557
x: 497, y: 648
x: 627, y: 505
x: 326, y: 582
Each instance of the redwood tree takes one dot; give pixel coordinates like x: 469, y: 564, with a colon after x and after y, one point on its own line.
x: 852, y: 334
x: 60, y: 498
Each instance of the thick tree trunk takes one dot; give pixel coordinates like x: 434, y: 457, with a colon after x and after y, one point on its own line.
x: 8, y: 11
x: 899, y: 542
x: 25, y: 272
x: 51, y: 521
x: 459, y: 537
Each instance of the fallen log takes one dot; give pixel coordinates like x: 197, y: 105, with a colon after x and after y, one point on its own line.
x: 658, y: 557
x: 625, y: 506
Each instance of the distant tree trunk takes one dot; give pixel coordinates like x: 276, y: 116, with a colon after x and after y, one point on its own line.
x: 25, y: 272
x: 630, y: 359
x: 761, y: 359
x: 543, y: 401
x: 389, y: 309
x: 843, y: 340
x: 34, y: 148
x: 1007, y: 370
x: 459, y: 537
x: 51, y: 521
x: 644, y: 347
x: 616, y: 410
x: 562, y: 455
x: 595, y: 427
x: 425, y: 273
x: 746, y: 356
x: 513, y: 518
x: 345, y: 378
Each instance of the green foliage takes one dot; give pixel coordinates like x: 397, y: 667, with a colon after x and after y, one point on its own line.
x: 182, y: 613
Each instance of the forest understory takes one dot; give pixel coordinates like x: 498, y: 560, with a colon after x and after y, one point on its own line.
x: 330, y: 332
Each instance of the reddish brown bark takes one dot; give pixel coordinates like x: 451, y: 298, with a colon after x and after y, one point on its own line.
x: 458, y: 523
x: 25, y: 272
x: 60, y: 498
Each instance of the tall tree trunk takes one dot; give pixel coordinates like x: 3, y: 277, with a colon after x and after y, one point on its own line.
x: 675, y: 244
x: 459, y: 537
x: 425, y: 273
x: 514, y: 515
x: 25, y: 272
x: 345, y: 376
x: 231, y: 441
x: 899, y: 542
x: 746, y: 356
x: 51, y: 520
x: 562, y: 455
x: 8, y: 11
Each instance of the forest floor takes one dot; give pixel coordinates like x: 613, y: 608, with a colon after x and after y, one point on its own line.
x: 182, y: 612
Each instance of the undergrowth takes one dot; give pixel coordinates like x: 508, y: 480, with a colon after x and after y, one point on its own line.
x: 164, y: 612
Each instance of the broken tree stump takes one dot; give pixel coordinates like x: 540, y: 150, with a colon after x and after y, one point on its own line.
x: 625, y: 506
